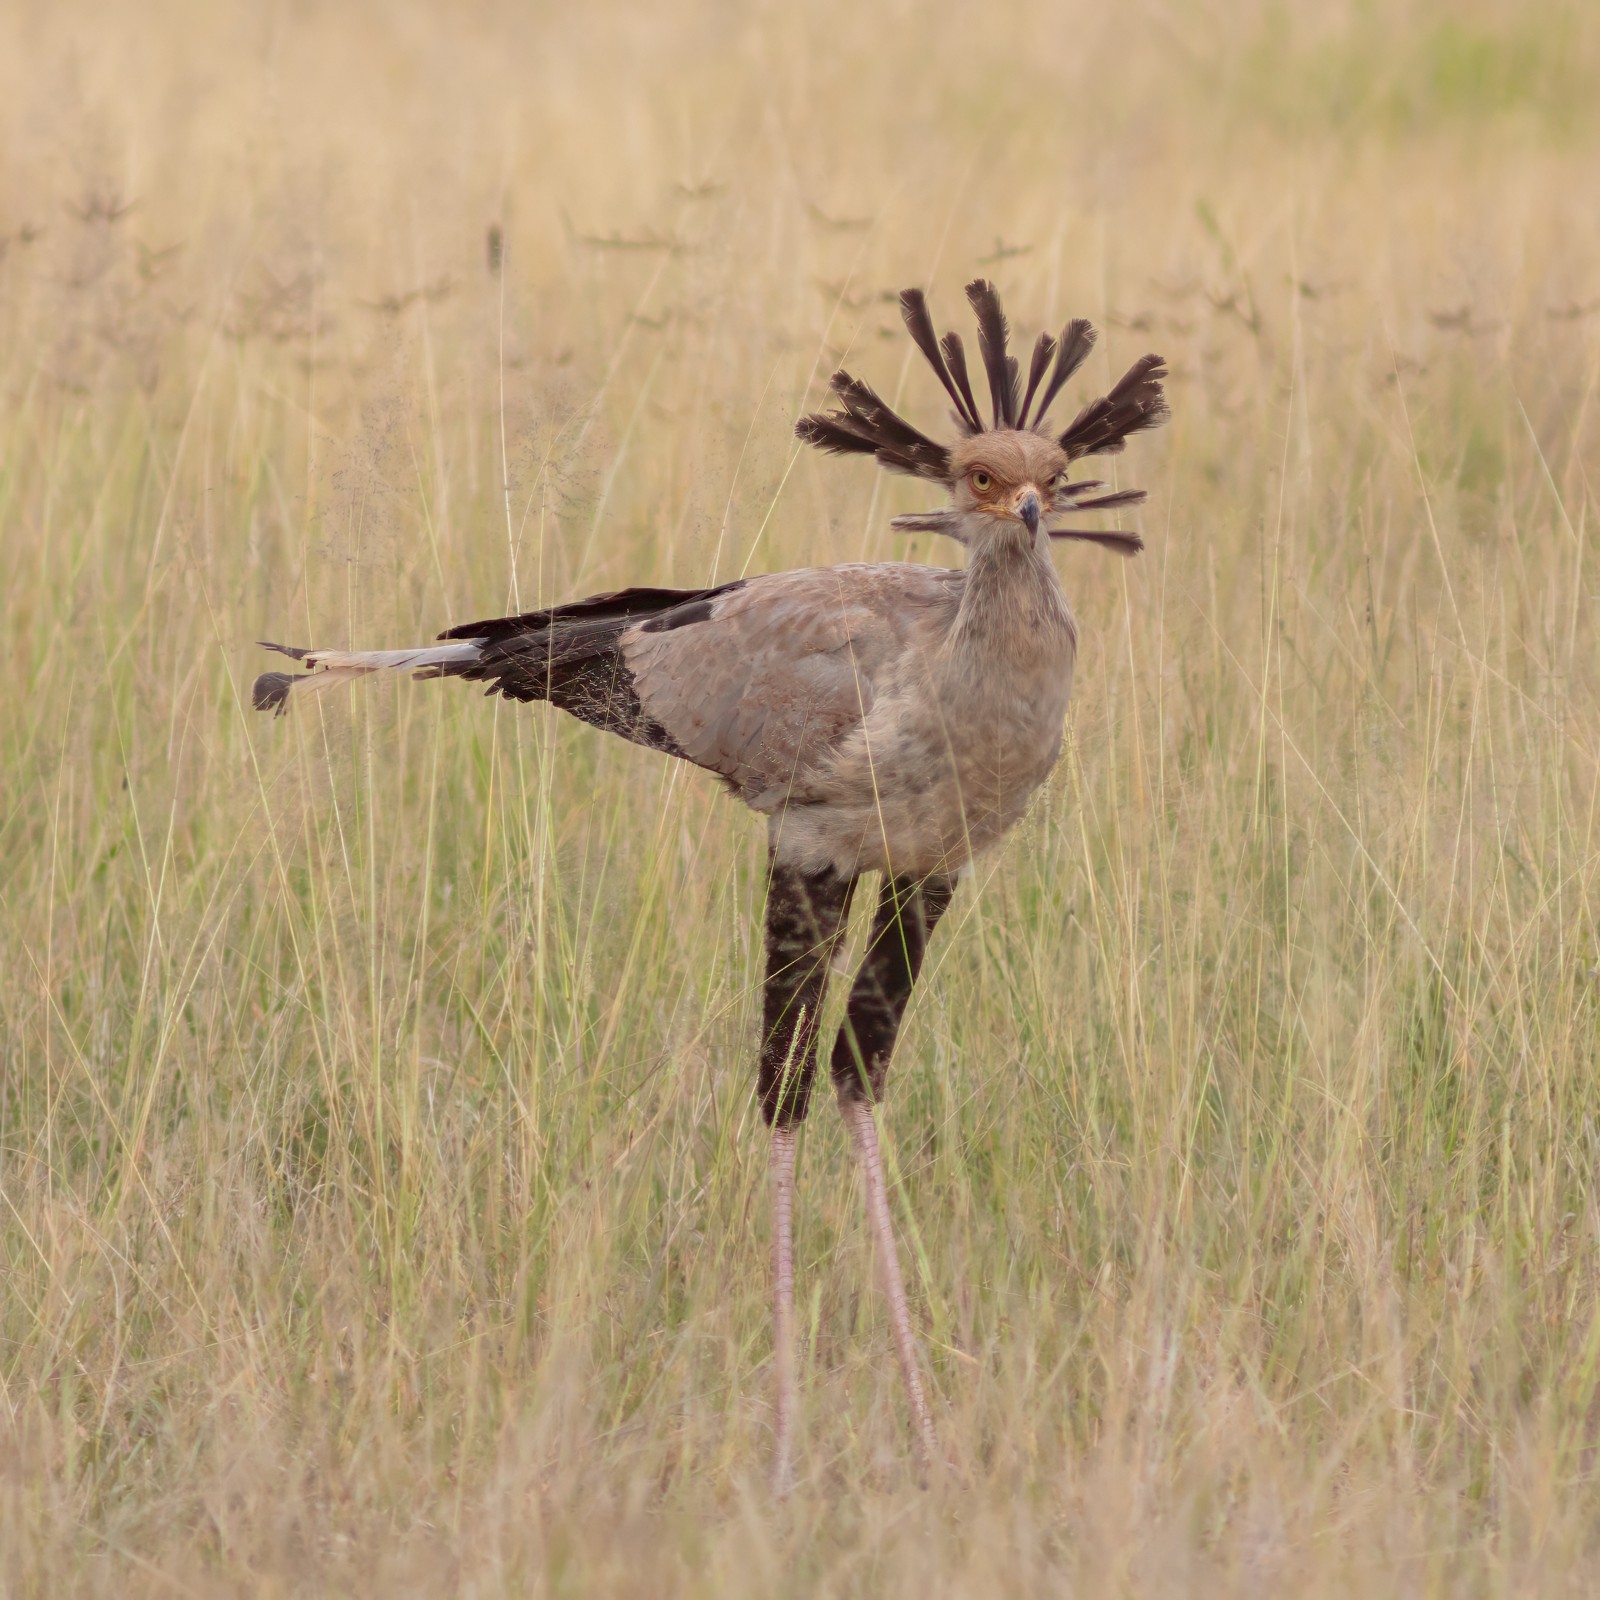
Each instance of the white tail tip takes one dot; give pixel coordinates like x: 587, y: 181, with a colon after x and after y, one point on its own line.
x: 329, y: 668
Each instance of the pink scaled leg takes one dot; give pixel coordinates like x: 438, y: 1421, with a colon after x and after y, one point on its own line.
x: 864, y: 1134
x: 783, y: 1380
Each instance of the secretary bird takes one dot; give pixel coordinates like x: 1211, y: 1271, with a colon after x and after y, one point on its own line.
x: 884, y: 717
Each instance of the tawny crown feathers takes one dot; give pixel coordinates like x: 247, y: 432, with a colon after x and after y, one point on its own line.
x: 867, y: 426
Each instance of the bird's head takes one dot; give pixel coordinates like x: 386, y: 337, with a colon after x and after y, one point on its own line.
x: 1007, y: 477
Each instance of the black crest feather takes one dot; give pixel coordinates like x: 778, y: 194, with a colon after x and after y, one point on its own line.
x: 993, y: 335
x: 1136, y: 402
x: 866, y: 425
x: 1042, y: 351
x: 1077, y: 340
x: 1106, y: 502
x: 914, y: 308
x: 955, y: 353
x: 1117, y: 539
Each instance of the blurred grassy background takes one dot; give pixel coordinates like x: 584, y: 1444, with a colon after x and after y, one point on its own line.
x: 383, y: 1203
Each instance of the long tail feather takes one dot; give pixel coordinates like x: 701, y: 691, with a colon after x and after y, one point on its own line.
x: 330, y: 668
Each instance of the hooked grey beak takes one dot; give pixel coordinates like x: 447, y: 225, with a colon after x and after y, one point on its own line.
x: 1028, y: 509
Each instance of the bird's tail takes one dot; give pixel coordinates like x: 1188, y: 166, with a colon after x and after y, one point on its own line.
x: 329, y: 668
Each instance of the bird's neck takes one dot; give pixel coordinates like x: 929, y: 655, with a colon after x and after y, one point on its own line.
x: 1013, y: 610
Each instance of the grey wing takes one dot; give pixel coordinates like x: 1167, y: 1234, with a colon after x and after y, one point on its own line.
x: 768, y: 685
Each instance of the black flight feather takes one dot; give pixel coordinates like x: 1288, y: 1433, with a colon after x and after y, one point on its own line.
x: 1077, y: 340
x: 919, y: 324
x: 992, y: 337
x: 613, y: 608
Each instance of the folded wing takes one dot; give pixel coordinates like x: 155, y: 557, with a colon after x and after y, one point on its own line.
x: 770, y: 684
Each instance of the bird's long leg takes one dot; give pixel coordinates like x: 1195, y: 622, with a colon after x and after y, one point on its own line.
x: 805, y: 917
x: 906, y: 914
x: 864, y: 1135
x: 783, y: 1378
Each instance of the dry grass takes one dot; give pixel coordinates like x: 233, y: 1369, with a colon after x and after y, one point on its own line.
x: 383, y: 1206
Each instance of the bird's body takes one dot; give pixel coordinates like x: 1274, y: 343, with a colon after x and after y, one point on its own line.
x: 836, y: 701
x: 884, y: 717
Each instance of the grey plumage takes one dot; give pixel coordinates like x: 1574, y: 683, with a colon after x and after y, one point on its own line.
x: 884, y: 716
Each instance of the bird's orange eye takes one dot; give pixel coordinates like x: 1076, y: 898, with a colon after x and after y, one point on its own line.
x: 982, y: 482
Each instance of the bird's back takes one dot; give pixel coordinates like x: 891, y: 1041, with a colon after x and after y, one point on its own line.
x: 846, y: 703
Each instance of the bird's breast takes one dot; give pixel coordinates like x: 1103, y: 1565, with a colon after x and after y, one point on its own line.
x: 937, y: 774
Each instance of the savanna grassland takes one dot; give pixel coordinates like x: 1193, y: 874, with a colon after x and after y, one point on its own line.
x: 384, y: 1204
